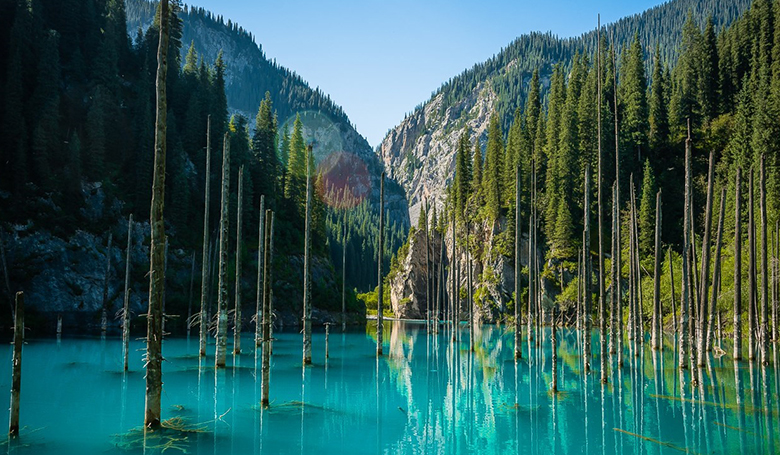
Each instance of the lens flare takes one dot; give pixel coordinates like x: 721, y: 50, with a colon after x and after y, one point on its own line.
x: 345, y: 181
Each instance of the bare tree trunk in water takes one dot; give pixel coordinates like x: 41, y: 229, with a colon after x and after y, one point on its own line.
x: 189, y: 293
x: 237, y: 313
x: 752, y: 271
x: 705, y: 265
x: 261, y: 269
x: 156, y: 271
x: 674, y: 299
x: 224, y: 222
x: 658, y: 316
x: 104, y: 315
x: 344, y: 276
x: 126, y: 303
x: 764, y: 329
x: 267, y: 294
x: 599, y: 185
x: 204, y: 276
x: 518, y: 345
x: 716, y: 273
x: 16, y: 363
x: 614, y: 296
x: 307, y: 265
x: 554, y: 348
x: 616, y: 253
x: 738, y: 267
x: 380, y: 292
x: 683, y: 359
x: 588, y: 311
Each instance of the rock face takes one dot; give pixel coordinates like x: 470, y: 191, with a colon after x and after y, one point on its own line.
x: 408, y: 290
x: 493, y: 274
x: 420, y: 152
x: 62, y: 273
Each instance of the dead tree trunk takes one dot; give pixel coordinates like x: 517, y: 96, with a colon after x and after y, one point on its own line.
x: 267, y: 294
x: 614, y: 342
x: 222, y: 286
x: 716, y: 273
x: 775, y: 289
x: 554, y: 348
x: 126, y: 303
x: 104, y: 315
x: 380, y: 292
x: 631, y: 266
x: 705, y: 265
x: 156, y: 273
x: 764, y: 329
x: 599, y: 185
x: 261, y: 270
x: 16, y: 362
x: 307, y: 265
x: 5, y: 273
x: 751, y: 271
x: 204, y: 276
x: 588, y: 311
x: 344, y: 276
x: 427, y: 269
x: 189, y: 293
x: 237, y: 312
x: 658, y: 316
x: 674, y: 299
x: 738, y: 267
x: 518, y: 345
x: 683, y: 358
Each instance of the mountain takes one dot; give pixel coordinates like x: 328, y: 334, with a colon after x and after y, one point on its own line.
x: 420, y: 152
x: 249, y: 75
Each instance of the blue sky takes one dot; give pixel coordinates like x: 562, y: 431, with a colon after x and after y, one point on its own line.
x: 379, y: 59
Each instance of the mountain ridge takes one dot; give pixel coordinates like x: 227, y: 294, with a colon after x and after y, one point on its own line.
x: 424, y: 162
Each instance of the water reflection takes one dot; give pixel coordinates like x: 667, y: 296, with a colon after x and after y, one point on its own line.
x: 427, y: 394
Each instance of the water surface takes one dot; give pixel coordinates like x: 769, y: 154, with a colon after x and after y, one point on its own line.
x: 428, y: 394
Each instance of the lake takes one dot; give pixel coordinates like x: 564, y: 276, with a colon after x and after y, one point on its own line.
x: 428, y: 394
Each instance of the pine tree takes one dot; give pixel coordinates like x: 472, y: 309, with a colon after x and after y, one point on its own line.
x: 476, y: 182
x: 633, y: 103
x: 708, y: 73
x: 264, y: 149
x: 462, y: 174
x: 296, y: 166
x: 647, y: 212
x: 658, y: 114
x: 491, y: 180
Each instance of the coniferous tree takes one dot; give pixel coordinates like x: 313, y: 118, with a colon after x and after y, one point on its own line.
x: 658, y: 118
x: 491, y: 180
x: 647, y: 212
x: 633, y: 104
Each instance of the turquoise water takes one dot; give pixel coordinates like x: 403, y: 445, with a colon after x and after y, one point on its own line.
x: 426, y: 395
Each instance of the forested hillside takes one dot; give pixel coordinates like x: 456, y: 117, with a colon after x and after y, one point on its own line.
x: 77, y: 124
x: 249, y: 75
x: 725, y: 85
x: 420, y: 152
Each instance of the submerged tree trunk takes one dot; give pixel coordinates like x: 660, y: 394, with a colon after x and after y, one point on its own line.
x: 738, y: 267
x: 427, y: 269
x: 237, y: 313
x: 126, y: 303
x: 189, y: 293
x: 705, y: 265
x: 268, y: 241
x: 261, y: 270
x: 751, y: 271
x: 617, y: 253
x: 599, y: 185
x: 764, y: 329
x: 685, y: 299
x: 344, y: 276
x: 204, y: 276
x: 104, y: 315
x: 614, y: 296
x: 716, y: 273
x: 518, y: 344
x: 16, y: 365
x: 658, y: 316
x: 554, y: 348
x: 674, y: 299
x: 222, y: 286
x: 307, y: 265
x: 775, y: 289
x: 157, y: 223
x: 588, y: 311
x: 380, y: 249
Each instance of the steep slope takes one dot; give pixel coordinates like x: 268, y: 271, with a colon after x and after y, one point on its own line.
x: 420, y: 152
x: 249, y: 75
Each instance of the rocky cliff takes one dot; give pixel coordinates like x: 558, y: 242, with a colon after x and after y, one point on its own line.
x: 493, y: 273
